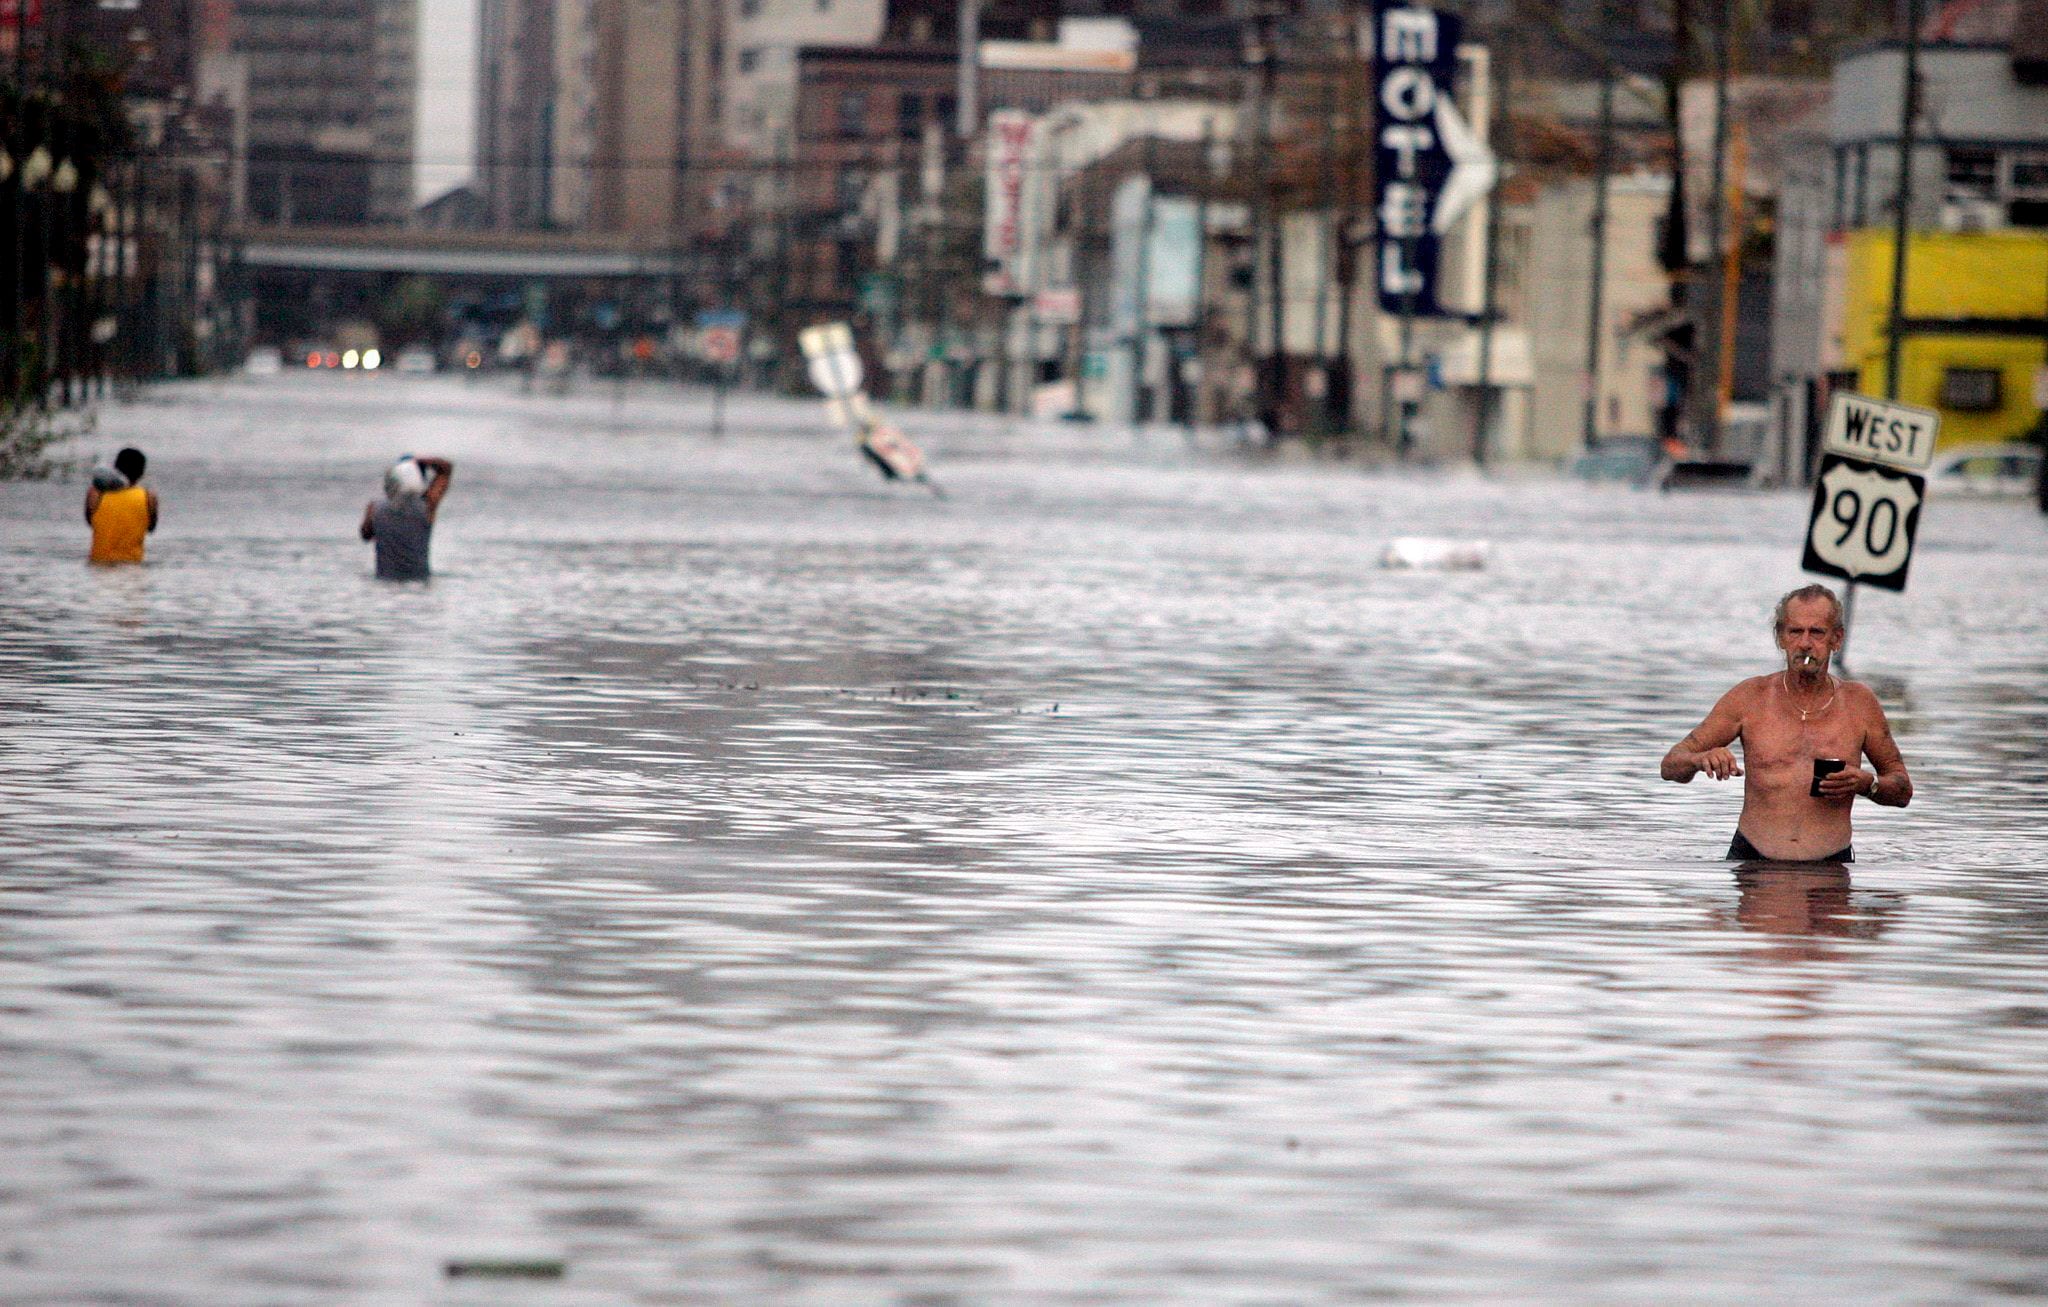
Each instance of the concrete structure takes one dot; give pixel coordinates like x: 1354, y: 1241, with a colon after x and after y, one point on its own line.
x: 596, y: 115
x: 1977, y: 304
x: 454, y: 253
x: 330, y: 94
x: 1558, y: 306
x: 1979, y: 204
x: 516, y: 110
x: 760, y: 74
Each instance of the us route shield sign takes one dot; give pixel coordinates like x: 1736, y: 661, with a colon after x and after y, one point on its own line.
x: 1868, y: 489
x: 1863, y: 522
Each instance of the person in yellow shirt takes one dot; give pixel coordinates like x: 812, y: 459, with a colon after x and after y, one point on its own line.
x: 122, y: 516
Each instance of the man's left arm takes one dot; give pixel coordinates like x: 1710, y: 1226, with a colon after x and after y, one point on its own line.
x: 152, y: 508
x: 1890, y: 786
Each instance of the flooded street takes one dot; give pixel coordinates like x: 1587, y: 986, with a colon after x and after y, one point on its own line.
x: 748, y: 882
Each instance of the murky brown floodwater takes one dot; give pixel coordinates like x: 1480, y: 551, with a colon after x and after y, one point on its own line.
x: 753, y: 884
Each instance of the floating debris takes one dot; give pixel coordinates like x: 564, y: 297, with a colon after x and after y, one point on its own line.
x: 1435, y: 554
x: 508, y: 1268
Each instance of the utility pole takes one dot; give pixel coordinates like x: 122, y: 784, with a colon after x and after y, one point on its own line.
x: 1489, y: 308
x: 1902, y: 228
x: 1596, y: 311
x: 1266, y: 231
x: 1705, y: 394
x: 1347, y: 253
x: 1909, y: 115
x: 1141, y: 315
x: 1326, y: 211
x: 967, y: 113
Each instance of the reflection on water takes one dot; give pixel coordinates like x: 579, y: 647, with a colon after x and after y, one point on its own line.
x: 748, y: 883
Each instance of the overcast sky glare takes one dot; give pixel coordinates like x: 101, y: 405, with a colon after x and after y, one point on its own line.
x: 444, y: 128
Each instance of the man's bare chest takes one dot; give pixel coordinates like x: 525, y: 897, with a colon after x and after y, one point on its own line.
x: 1775, y: 740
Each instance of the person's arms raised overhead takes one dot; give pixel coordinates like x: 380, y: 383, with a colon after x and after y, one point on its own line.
x: 442, y: 472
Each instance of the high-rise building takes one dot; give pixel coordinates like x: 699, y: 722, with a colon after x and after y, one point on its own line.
x: 591, y: 110
x: 331, y: 95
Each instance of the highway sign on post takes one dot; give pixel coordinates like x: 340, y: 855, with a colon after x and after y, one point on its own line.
x: 1869, y: 490
x: 718, y: 335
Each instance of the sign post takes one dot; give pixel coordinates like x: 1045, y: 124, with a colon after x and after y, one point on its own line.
x: 1867, y: 494
x: 718, y: 343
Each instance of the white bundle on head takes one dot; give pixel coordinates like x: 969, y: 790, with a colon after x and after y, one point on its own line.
x: 405, y: 478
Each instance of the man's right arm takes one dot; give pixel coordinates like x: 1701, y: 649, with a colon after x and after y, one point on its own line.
x: 442, y: 472
x: 92, y: 502
x: 1706, y: 748
x: 369, y: 527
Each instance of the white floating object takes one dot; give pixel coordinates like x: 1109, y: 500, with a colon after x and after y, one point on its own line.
x: 1435, y: 554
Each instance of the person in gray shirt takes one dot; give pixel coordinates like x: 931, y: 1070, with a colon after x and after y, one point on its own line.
x: 402, y: 523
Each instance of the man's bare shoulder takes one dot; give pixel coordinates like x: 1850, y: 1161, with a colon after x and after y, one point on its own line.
x: 1861, y: 697
x: 1750, y: 690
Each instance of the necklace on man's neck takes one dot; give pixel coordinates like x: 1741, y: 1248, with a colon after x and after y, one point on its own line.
x: 1786, y: 678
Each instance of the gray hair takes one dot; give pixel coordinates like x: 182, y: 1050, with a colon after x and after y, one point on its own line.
x: 1801, y: 595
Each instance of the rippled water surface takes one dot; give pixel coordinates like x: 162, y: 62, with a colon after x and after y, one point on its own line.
x: 746, y: 882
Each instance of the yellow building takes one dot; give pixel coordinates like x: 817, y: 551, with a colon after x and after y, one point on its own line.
x: 1978, y: 305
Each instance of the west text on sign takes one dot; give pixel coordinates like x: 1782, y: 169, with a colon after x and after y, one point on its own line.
x: 1881, y: 431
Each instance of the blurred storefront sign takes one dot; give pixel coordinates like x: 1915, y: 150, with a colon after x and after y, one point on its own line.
x: 1010, y: 134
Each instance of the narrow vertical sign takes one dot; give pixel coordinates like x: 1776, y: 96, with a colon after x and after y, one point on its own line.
x: 1010, y: 134
x: 1415, y: 64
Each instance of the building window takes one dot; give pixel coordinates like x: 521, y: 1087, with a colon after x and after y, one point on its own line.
x: 824, y: 6
x: 853, y: 114
x: 2029, y: 178
x: 910, y: 116
x: 1973, y: 171
x: 750, y: 8
x: 750, y: 59
x: 1971, y: 390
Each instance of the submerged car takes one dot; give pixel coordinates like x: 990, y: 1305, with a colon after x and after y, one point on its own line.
x: 2001, y: 471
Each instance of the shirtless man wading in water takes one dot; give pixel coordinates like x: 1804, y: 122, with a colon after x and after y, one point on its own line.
x: 1786, y: 721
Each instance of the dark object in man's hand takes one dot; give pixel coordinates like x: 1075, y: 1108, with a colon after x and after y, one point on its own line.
x: 1824, y: 767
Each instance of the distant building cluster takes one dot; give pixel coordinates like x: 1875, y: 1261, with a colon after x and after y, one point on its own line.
x: 1164, y: 210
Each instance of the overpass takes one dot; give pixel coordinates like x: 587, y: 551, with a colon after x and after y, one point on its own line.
x: 459, y: 253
